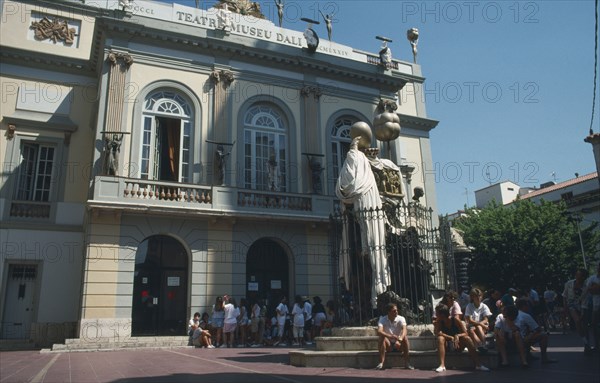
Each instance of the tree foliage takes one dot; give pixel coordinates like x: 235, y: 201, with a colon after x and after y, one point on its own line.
x: 525, y: 244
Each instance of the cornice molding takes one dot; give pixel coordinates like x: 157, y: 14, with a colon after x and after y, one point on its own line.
x: 286, y: 57
x: 418, y: 123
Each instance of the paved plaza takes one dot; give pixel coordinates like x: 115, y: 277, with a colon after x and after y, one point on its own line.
x: 267, y: 365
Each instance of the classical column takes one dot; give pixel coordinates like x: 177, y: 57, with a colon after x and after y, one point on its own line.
x: 119, y: 65
x: 310, y: 96
x: 221, y: 79
x: 113, y: 125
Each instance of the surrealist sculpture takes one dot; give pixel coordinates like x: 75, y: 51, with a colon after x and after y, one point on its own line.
x: 357, y: 187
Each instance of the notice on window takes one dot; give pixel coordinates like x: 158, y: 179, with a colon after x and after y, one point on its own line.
x: 252, y: 286
x: 172, y: 281
x: 275, y: 284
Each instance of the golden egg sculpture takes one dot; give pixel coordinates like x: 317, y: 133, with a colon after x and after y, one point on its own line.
x: 386, y: 126
x: 363, y: 130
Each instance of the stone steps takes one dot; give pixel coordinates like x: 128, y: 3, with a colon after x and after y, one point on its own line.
x: 105, y: 344
x: 357, y: 347
x: 366, y: 343
x: 425, y: 360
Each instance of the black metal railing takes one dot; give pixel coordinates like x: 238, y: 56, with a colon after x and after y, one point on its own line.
x: 418, y: 255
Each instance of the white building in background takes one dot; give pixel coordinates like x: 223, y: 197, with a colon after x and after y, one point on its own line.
x: 154, y: 160
x: 502, y: 192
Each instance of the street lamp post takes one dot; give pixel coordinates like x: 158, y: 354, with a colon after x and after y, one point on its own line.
x: 576, y: 218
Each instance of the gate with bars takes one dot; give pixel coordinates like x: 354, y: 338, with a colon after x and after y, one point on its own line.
x: 420, y: 259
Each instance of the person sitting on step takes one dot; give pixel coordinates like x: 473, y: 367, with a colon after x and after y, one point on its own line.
x: 452, y: 334
x: 391, y: 329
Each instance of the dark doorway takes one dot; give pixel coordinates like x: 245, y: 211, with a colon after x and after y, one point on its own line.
x: 267, y: 273
x: 159, y: 304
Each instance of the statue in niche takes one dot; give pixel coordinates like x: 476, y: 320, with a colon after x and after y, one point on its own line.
x: 112, y: 147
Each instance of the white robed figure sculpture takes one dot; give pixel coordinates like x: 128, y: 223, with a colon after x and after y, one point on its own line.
x: 356, y: 186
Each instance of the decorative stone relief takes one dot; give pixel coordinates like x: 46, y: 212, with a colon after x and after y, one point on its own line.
x: 54, y: 29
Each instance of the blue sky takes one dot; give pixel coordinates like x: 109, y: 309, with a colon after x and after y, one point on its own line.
x: 511, y: 82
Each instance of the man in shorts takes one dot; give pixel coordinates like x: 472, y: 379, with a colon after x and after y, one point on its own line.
x: 391, y: 329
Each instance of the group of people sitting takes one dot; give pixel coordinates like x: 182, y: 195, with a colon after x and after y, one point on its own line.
x: 243, y: 325
x: 509, y: 320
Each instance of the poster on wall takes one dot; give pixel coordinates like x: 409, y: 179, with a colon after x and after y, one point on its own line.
x: 252, y: 286
x: 275, y: 284
x: 172, y: 281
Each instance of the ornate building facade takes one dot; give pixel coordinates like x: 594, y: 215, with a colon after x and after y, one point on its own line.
x: 157, y: 155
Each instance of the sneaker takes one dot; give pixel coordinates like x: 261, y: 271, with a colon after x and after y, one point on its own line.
x: 309, y: 343
x: 295, y: 344
x: 210, y: 346
x: 482, y: 368
x: 282, y: 344
x: 379, y: 366
x: 440, y: 369
x: 223, y: 345
x: 255, y: 345
x: 409, y: 367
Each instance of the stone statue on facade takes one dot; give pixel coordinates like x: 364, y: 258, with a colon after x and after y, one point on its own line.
x: 279, y: 4
x: 221, y: 158
x: 328, y: 18
x: 112, y: 147
x: 315, y: 169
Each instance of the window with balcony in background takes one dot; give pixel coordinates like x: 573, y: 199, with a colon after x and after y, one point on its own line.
x: 265, y: 146
x: 167, y: 128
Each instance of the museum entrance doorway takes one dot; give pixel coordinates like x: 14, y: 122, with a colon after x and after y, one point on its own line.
x: 160, y: 288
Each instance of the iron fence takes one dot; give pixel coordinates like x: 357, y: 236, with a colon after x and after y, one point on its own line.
x: 419, y: 257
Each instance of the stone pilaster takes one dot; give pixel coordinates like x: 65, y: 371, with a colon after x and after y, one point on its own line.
x: 119, y: 65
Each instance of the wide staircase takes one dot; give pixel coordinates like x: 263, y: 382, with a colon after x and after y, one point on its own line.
x: 357, y: 347
x: 106, y: 344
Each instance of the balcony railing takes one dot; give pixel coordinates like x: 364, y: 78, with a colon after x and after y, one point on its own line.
x: 30, y: 209
x: 222, y: 199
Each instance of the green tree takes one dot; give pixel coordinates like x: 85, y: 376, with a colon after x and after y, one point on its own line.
x: 525, y: 244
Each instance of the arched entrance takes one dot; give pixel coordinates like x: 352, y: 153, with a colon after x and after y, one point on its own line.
x: 267, y: 273
x: 159, y: 305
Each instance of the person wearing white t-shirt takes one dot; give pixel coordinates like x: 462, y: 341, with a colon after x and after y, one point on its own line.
x: 476, y: 316
x: 530, y: 330
x: 507, y: 334
x: 282, y: 311
x: 230, y: 321
x: 391, y: 329
x: 298, y: 321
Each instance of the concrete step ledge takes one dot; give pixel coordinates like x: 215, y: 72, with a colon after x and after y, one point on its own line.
x: 366, y: 343
x: 425, y: 360
x: 153, y: 342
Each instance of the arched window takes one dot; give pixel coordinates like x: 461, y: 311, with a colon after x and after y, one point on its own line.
x: 340, y: 143
x: 265, y: 145
x: 167, y: 126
